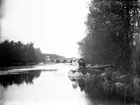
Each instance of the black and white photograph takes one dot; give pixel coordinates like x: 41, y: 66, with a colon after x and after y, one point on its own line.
x: 69, y: 52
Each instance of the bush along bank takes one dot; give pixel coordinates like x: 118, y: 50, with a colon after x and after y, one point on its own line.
x: 112, y: 85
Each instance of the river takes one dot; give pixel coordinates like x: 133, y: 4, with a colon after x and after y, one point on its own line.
x: 42, y: 86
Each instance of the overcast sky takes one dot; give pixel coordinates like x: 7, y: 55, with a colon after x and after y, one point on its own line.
x: 53, y: 25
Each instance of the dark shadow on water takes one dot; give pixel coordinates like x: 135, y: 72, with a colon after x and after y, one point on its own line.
x: 96, y: 94
x: 19, y: 78
x: 80, y: 82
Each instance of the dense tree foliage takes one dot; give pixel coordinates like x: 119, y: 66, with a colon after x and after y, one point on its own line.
x: 111, y: 28
x: 17, y: 53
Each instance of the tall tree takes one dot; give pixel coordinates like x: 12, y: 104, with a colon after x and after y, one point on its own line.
x: 111, y: 25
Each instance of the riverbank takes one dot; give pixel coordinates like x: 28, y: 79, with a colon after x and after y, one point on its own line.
x: 110, y: 84
x: 19, y: 69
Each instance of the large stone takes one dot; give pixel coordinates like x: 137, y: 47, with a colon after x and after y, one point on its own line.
x: 89, y: 66
x: 119, y: 85
x: 136, y: 83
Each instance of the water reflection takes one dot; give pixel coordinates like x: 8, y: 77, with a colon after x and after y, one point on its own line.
x: 74, y: 85
x: 79, y: 82
x: 48, y: 89
x: 95, y: 95
x: 19, y: 78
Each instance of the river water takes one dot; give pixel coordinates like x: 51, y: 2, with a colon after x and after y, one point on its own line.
x: 44, y: 88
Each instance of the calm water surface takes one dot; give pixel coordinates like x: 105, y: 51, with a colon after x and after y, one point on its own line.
x: 44, y: 88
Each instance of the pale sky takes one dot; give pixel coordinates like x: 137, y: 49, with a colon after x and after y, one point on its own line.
x: 55, y: 26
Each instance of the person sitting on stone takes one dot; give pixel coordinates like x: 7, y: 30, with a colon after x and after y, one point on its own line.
x: 82, y: 65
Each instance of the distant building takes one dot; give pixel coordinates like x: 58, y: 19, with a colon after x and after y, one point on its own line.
x: 48, y: 59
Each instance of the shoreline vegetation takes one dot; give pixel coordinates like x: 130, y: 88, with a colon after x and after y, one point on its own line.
x: 108, y: 84
x: 19, y: 54
x: 113, y: 37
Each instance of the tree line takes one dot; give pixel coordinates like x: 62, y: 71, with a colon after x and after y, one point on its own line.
x: 112, y: 27
x: 17, y: 53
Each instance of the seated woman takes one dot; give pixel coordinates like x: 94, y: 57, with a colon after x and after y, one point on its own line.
x: 82, y: 65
